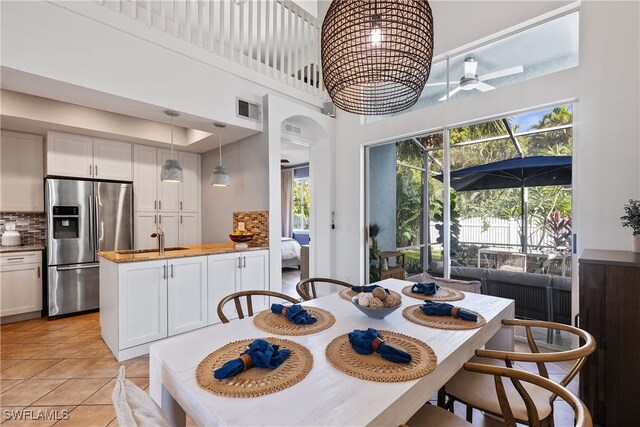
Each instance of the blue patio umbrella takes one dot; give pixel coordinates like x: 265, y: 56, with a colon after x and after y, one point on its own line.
x: 523, y: 172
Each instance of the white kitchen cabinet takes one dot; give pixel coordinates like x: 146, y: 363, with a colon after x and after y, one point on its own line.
x: 146, y: 223
x: 234, y: 272
x: 190, y: 187
x: 20, y: 283
x: 168, y: 192
x: 70, y: 155
x: 189, y: 229
x: 169, y: 222
x: 112, y: 160
x: 21, y: 172
x: 142, y: 302
x: 146, y: 176
x: 176, y: 205
x: 187, y: 294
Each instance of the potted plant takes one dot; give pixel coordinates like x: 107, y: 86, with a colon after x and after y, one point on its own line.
x: 632, y: 219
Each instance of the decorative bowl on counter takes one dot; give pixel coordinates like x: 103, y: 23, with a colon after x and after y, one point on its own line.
x: 376, y: 313
x: 241, y: 238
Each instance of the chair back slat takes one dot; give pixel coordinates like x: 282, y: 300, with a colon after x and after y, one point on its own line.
x: 238, y: 307
x: 250, y: 305
x: 505, y: 408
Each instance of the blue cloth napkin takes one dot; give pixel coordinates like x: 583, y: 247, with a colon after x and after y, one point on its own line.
x: 431, y: 308
x: 425, y: 288
x: 362, y: 343
x: 367, y: 288
x: 295, y: 313
x: 262, y: 354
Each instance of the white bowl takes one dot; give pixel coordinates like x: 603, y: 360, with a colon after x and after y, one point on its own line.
x: 376, y: 313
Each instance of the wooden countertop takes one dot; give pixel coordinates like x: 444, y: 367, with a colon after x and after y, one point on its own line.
x: 193, y: 250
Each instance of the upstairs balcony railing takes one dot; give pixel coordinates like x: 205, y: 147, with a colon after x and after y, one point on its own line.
x: 274, y: 37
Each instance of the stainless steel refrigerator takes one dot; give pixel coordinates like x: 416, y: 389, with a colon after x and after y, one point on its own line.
x: 83, y: 218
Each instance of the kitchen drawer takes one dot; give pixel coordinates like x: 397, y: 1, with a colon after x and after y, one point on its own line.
x: 11, y: 258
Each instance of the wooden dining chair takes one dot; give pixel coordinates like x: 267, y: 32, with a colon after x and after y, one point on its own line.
x: 307, y: 288
x: 523, y: 382
x: 477, y: 391
x: 237, y: 296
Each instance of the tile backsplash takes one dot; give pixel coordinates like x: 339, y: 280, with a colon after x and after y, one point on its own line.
x: 32, y: 226
x: 257, y: 222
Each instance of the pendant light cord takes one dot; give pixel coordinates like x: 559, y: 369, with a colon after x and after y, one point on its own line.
x: 172, y: 137
x: 220, y: 144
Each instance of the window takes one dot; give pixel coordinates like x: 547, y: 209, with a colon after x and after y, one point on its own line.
x: 301, y: 204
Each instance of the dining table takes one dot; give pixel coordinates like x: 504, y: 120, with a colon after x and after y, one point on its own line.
x: 326, y: 396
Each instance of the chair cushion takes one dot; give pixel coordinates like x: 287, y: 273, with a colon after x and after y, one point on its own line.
x: 479, y: 391
x: 134, y: 407
x: 434, y: 416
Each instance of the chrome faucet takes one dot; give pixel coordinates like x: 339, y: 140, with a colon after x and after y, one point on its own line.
x: 160, y: 236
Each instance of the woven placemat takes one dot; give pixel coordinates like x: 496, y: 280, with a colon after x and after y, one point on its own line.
x: 254, y: 381
x: 347, y: 294
x: 414, y: 314
x: 442, y: 294
x: 277, y: 324
x: 373, y: 367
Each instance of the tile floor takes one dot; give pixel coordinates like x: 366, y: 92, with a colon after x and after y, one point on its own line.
x: 60, y: 369
x: 290, y: 278
x: 63, y: 369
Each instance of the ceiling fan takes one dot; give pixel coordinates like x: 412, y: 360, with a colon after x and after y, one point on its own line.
x: 470, y: 80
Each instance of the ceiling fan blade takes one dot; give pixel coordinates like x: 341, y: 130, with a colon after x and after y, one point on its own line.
x: 502, y: 73
x: 483, y: 87
x: 436, y: 83
x: 453, y: 92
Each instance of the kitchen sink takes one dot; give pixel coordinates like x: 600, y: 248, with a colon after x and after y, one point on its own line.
x: 147, y: 251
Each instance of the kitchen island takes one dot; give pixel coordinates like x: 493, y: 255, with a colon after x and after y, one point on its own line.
x: 148, y: 296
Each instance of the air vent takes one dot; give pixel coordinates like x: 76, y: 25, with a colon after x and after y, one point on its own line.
x: 291, y: 128
x: 248, y: 110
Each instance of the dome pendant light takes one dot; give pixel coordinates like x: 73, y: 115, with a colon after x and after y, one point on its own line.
x: 220, y: 176
x: 171, y: 170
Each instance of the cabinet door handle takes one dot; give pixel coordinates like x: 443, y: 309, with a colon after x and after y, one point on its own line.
x: 155, y: 204
x: 244, y: 262
x: 239, y: 262
x: 180, y: 205
x: 15, y: 259
x: 164, y: 271
x: 159, y: 205
x: 160, y: 219
x: 155, y: 219
x: 180, y: 219
x: 172, y: 276
x: 90, y: 169
x: 96, y: 170
x: 38, y: 272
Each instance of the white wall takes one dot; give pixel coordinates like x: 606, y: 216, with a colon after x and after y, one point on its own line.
x: 247, y: 162
x: 320, y: 130
x: 607, y: 148
x: 125, y: 58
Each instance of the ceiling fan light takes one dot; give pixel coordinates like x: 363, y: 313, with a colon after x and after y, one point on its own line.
x: 219, y: 177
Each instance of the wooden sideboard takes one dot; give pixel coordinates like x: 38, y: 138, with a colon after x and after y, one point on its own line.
x: 610, y: 311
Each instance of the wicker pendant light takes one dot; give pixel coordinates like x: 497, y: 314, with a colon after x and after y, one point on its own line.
x: 171, y: 170
x: 376, y: 55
